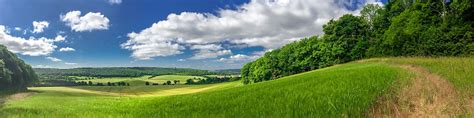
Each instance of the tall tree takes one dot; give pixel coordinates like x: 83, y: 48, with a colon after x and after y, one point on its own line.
x: 15, y: 75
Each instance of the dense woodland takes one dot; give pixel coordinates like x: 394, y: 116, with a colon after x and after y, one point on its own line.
x: 399, y: 28
x: 211, y: 80
x: 15, y: 75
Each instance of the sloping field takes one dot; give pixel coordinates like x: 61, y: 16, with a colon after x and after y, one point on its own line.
x: 347, y: 90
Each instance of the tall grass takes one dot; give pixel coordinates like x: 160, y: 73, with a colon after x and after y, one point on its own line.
x: 458, y: 70
x: 347, y: 90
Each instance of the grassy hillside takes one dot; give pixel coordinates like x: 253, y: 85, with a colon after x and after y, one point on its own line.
x: 346, y: 90
x: 349, y: 89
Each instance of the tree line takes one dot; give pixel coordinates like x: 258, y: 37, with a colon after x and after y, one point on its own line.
x: 119, y: 71
x: 211, y: 80
x: 90, y: 83
x: 15, y: 74
x: 169, y: 82
x: 399, y: 28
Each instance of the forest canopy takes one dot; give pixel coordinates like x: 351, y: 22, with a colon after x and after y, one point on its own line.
x: 399, y: 28
x: 15, y: 74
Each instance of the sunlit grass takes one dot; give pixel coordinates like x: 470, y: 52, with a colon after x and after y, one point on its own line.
x: 344, y: 90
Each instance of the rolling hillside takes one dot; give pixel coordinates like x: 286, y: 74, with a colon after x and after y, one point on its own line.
x: 356, y: 89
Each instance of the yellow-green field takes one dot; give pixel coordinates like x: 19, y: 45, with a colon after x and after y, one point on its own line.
x: 140, y: 81
x: 137, y: 91
x: 348, y: 90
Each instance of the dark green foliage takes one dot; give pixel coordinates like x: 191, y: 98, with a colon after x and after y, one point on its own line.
x: 15, y: 75
x: 189, y: 81
x: 400, y: 28
x: 212, y: 80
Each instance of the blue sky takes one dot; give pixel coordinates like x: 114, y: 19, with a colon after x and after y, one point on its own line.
x: 202, y: 34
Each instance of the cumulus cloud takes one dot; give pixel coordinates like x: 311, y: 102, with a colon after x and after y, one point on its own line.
x: 39, y: 26
x: 90, y: 21
x: 209, y: 51
x: 264, y: 23
x: 241, y: 58
x: 31, y: 47
x: 53, y: 59
x: 69, y: 63
x: 148, y: 51
x: 115, y: 1
x: 67, y: 49
x: 181, y: 60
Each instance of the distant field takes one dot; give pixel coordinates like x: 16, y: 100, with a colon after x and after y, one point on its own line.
x: 346, y: 90
x: 140, y: 81
x: 137, y: 91
x: 164, y: 78
x: 223, y: 75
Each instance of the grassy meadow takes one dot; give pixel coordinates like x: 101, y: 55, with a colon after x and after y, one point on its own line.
x: 349, y: 89
x: 346, y: 90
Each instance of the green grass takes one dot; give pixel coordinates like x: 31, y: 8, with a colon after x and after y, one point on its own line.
x: 343, y: 90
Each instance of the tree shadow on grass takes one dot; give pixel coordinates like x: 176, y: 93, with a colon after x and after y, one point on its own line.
x: 17, y: 112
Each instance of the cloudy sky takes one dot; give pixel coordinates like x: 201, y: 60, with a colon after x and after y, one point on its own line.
x: 202, y: 34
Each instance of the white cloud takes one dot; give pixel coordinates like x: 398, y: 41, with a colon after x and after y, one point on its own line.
x: 68, y: 63
x: 90, y: 21
x: 377, y: 2
x: 42, y: 66
x: 59, y: 38
x: 39, y: 26
x: 148, y: 51
x: 31, y: 47
x: 67, y: 49
x: 181, y: 60
x: 209, y: 51
x: 17, y: 28
x: 53, y: 59
x: 115, y: 1
x: 265, y: 23
x: 241, y: 58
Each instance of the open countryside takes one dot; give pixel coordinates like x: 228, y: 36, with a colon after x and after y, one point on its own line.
x: 374, y: 59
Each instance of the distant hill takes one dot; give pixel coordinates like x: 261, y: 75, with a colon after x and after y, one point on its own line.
x: 15, y: 75
x: 119, y: 71
x: 228, y: 71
